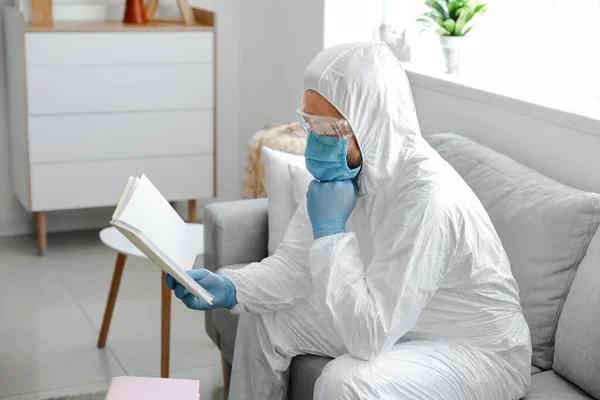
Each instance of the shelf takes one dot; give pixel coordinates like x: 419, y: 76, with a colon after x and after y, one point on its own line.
x: 113, y: 26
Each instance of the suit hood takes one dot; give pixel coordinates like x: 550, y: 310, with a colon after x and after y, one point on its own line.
x: 369, y: 87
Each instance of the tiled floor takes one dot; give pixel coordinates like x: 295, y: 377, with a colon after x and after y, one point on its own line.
x: 51, y: 309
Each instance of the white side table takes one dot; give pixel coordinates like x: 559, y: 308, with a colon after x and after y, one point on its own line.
x: 115, y: 240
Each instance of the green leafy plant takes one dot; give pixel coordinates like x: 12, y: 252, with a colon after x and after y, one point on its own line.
x: 452, y: 17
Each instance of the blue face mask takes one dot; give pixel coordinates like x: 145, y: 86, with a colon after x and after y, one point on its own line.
x: 326, y: 158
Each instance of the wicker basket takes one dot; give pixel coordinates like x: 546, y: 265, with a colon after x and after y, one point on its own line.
x: 287, y: 138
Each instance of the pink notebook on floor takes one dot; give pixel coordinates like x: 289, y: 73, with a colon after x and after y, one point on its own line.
x: 141, y: 388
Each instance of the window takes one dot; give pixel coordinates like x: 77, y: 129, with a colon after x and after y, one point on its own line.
x: 545, y: 47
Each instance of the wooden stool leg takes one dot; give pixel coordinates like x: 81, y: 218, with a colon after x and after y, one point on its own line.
x: 112, y: 297
x: 192, y: 211
x: 226, y: 366
x: 165, y: 328
x: 40, y: 229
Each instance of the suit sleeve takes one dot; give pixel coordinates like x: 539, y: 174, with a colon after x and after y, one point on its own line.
x: 372, y: 306
x: 278, y: 282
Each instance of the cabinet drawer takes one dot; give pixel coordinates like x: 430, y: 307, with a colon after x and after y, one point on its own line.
x: 86, y: 137
x: 97, y: 184
x: 66, y: 90
x: 102, y: 48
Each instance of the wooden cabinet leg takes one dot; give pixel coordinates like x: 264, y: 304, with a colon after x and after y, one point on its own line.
x: 40, y: 230
x: 226, y: 366
x: 112, y: 298
x: 165, y: 327
x: 192, y: 211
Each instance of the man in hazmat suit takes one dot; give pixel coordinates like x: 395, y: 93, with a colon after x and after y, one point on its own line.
x: 391, y: 266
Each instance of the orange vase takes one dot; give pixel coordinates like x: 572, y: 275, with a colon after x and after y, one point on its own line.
x: 134, y: 12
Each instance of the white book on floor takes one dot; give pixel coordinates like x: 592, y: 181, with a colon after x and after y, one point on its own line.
x: 151, y: 224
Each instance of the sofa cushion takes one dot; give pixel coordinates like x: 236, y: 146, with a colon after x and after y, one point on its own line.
x: 545, y: 228
x: 279, y: 191
x: 549, y: 385
x: 577, y: 355
x: 304, y: 372
x: 536, y: 370
x: 301, y: 178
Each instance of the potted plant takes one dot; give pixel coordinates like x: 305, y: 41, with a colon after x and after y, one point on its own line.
x: 452, y: 20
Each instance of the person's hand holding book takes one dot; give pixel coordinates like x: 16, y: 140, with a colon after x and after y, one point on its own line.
x: 220, y: 287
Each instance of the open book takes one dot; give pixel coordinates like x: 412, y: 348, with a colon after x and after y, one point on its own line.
x: 149, y: 222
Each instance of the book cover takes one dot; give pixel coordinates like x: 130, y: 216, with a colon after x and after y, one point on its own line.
x: 143, y: 388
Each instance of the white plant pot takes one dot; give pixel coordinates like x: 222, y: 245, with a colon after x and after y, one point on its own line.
x: 452, y: 46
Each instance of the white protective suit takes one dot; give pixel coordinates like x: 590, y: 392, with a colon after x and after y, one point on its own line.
x: 416, y: 300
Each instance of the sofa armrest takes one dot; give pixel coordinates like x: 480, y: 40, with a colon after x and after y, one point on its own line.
x: 235, y: 232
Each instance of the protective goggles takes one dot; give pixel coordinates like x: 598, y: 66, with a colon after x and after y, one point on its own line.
x: 324, y: 126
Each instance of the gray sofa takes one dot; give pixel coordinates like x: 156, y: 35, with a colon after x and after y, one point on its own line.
x: 547, y: 230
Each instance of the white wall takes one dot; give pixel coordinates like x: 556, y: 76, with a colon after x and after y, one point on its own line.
x: 352, y: 20
x: 229, y: 167
x: 12, y: 216
x: 278, y: 40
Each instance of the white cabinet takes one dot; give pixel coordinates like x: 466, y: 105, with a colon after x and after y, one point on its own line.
x: 92, y: 105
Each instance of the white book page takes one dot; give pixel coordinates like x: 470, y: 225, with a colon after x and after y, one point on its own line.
x: 149, y: 213
x: 157, y: 258
x: 160, y: 232
x: 127, y: 193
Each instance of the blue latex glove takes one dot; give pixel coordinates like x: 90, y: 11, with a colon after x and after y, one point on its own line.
x: 329, y: 205
x: 220, y: 287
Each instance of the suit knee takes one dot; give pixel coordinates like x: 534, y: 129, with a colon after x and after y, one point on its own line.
x: 341, y: 378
